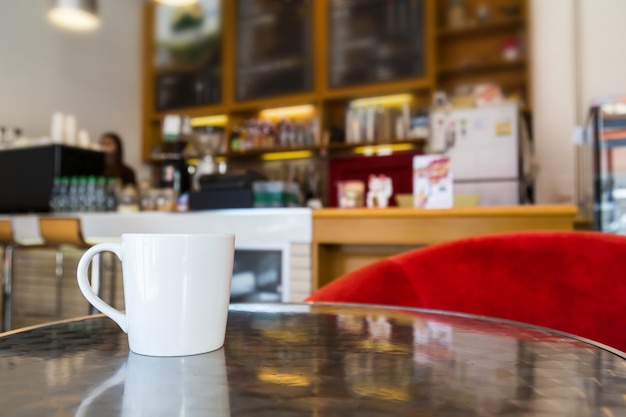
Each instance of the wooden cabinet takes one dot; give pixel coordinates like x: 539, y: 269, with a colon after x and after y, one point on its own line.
x: 371, y: 41
x: 324, y: 53
x: 273, y: 48
x: 483, y: 41
x: 185, y: 52
x: 345, y: 240
x: 274, y: 53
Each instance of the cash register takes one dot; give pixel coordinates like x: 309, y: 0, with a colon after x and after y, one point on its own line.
x: 225, y: 191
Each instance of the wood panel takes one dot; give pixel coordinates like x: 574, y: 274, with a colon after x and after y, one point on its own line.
x: 337, y: 232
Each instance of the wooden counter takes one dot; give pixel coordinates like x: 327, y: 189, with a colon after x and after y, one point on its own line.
x: 287, y: 230
x: 346, y: 239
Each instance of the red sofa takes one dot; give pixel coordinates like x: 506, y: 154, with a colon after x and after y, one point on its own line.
x: 574, y: 282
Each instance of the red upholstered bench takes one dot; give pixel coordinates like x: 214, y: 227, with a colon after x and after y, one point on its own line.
x: 574, y: 282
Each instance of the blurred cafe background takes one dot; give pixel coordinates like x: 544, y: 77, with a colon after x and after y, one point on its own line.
x: 308, y: 104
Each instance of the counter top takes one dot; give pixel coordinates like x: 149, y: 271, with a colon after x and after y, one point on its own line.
x: 420, y: 227
x: 290, y: 224
x: 479, y: 211
x: 249, y: 225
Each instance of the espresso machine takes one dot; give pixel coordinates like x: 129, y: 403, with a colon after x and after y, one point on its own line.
x: 171, y: 164
x: 212, y: 188
x: 173, y: 173
x: 27, y: 174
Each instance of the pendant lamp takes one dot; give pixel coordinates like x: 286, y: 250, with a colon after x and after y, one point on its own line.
x: 177, y: 3
x: 79, y: 15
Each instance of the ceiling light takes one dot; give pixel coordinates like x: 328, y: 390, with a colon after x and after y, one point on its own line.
x: 177, y: 3
x: 79, y: 15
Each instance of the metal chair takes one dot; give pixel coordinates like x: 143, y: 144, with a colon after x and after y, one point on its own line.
x: 67, y: 231
x: 8, y: 243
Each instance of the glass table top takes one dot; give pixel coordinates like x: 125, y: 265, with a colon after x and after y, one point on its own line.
x: 315, y: 360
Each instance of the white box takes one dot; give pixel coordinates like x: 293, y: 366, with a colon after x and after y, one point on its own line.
x: 432, y: 182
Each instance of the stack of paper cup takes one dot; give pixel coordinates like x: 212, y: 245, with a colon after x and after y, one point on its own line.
x: 64, y: 130
x: 83, y: 139
x: 70, y: 129
x: 57, y: 128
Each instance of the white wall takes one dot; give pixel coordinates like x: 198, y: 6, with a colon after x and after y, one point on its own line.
x: 96, y: 76
x: 577, y: 55
x: 554, y: 97
x: 603, y: 58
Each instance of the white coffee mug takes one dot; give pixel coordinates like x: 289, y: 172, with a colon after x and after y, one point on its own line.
x: 176, y: 291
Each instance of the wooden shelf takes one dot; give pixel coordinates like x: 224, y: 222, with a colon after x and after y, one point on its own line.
x: 191, y: 111
x: 424, y: 84
x: 276, y: 101
x: 331, y: 147
x: 480, y: 67
x: 472, y: 54
x: 487, y: 28
x: 480, y: 44
x: 344, y: 146
x: 328, y: 101
x: 252, y: 153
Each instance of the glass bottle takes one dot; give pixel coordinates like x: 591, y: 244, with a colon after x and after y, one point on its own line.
x: 82, y: 193
x: 64, y: 195
x: 90, y: 193
x: 100, y: 197
x: 111, y: 195
x: 55, y: 194
x: 73, y: 199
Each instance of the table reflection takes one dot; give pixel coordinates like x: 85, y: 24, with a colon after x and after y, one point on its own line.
x: 172, y: 386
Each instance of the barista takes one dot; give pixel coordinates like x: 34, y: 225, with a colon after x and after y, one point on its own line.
x: 114, y: 165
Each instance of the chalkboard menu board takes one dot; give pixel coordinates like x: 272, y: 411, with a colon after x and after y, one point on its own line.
x: 187, y: 55
x: 375, y: 41
x: 274, y: 48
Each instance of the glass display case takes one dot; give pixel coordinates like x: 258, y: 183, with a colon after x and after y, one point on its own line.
x: 602, y: 165
x: 273, y: 48
x: 373, y: 41
x: 187, y: 55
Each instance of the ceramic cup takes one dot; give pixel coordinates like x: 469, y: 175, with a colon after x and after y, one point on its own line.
x: 176, y: 291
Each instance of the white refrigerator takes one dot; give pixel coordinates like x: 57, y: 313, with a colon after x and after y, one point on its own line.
x: 489, y: 152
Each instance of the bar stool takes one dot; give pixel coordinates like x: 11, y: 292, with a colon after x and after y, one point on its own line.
x: 67, y: 231
x: 8, y: 243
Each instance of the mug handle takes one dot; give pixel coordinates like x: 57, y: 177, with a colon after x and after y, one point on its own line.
x: 83, y: 282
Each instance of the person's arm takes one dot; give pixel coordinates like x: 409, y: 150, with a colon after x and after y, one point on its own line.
x: 128, y: 176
